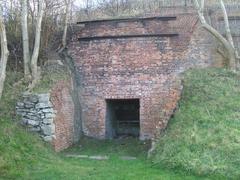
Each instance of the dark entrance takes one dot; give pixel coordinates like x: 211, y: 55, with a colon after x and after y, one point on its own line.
x: 122, y: 118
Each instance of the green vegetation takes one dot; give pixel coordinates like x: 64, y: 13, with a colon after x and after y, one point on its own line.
x: 202, y: 138
x: 113, y: 168
x: 18, y: 148
x: 50, y: 77
x: 204, y: 135
x: 24, y: 156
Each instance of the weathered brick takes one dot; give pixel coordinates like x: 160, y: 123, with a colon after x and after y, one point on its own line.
x: 148, y: 68
x: 64, y: 120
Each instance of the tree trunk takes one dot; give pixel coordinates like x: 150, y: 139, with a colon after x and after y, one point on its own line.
x: 227, y: 43
x: 34, y: 59
x: 64, y: 38
x: 226, y: 22
x: 4, y: 52
x: 25, y: 38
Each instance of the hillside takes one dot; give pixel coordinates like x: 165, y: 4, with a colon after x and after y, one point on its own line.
x: 23, y: 155
x: 203, y: 138
x: 204, y: 135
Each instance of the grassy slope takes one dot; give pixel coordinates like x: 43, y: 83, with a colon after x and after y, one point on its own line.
x: 24, y: 156
x: 204, y: 135
x: 18, y: 148
x: 51, y: 77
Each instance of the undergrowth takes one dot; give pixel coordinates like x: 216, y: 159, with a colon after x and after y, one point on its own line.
x: 50, y: 77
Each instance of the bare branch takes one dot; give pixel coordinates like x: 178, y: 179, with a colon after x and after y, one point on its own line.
x: 200, y: 11
x: 226, y: 22
x: 227, y: 45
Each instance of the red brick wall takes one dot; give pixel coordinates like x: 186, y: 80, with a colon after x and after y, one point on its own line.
x: 141, y: 68
x: 64, y: 120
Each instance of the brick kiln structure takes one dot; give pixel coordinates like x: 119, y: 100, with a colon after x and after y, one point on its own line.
x: 137, y: 59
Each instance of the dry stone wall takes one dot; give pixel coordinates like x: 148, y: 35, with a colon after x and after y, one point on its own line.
x: 51, y: 115
x: 37, y: 113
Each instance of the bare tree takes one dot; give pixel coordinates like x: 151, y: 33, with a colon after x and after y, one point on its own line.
x: 30, y: 64
x: 25, y: 37
x: 226, y: 42
x: 34, y: 59
x: 67, y: 14
x: 4, y: 50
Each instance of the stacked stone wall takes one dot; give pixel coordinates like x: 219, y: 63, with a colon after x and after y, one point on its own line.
x: 38, y: 114
x: 51, y: 115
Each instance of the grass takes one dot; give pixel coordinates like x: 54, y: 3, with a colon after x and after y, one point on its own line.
x: 18, y: 148
x: 114, y: 168
x: 24, y: 156
x: 51, y: 77
x: 204, y: 135
x: 202, y: 140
